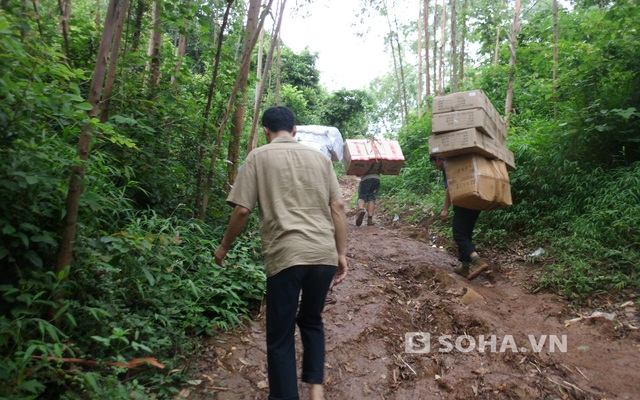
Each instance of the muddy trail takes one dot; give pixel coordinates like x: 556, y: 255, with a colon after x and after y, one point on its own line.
x: 404, y: 326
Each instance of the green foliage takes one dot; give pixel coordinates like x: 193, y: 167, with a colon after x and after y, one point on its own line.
x: 142, y: 282
x: 300, y: 70
x: 347, y: 110
x: 147, y: 290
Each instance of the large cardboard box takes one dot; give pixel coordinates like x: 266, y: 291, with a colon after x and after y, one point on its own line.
x: 363, y: 156
x: 465, y: 141
x: 466, y: 101
x: 478, y: 183
x: 462, y: 101
x: 509, y: 159
x: 468, y: 141
x: 466, y: 119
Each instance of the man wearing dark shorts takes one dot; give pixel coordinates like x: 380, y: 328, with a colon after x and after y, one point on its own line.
x: 367, y: 193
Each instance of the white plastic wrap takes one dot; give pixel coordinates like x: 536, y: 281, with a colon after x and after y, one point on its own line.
x: 329, y: 138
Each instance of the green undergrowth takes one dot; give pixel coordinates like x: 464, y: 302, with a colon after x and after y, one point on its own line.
x: 148, y: 291
x: 585, y: 221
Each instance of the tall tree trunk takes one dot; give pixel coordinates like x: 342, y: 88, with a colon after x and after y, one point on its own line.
x: 275, y: 38
x: 207, y: 110
x: 403, y: 84
x: 497, y: 48
x: 435, y: 47
x: 426, y: 45
x: 181, y: 50
x: 259, y: 63
x: 278, y: 72
x: 141, y: 9
x: 462, y: 41
x: 555, y: 60
x: 65, y: 18
x: 454, y: 48
x: 397, y: 66
x: 513, y: 42
x: 237, y: 120
x: 247, y: 49
x: 443, y: 21
x: 397, y: 78
x: 113, y: 63
x: 36, y: 15
x: 155, y: 44
x: 496, y: 51
x: 70, y: 223
x: 419, y: 58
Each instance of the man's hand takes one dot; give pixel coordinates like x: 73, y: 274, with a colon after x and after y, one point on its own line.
x: 220, y: 254
x: 444, y: 216
x: 341, y: 270
x: 238, y: 220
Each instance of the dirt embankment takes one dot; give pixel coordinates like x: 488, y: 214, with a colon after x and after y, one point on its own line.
x: 404, y: 326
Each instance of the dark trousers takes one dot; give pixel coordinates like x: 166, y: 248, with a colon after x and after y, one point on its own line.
x: 464, y: 221
x: 283, y: 292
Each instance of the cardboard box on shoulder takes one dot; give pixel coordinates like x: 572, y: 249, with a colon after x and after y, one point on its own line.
x: 466, y: 119
x: 509, y: 158
x: 466, y: 101
x: 478, y: 183
x: 468, y: 141
x: 362, y: 156
x: 465, y: 141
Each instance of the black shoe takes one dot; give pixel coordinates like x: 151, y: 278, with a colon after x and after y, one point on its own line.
x: 360, y: 217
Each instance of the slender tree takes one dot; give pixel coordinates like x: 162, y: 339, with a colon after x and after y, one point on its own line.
x: 442, y: 43
x: 65, y: 18
x: 70, y: 223
x: 275, y: 38
x: 113, y: 63
x: 454, y: 47
x: 207, y: 110
x: 555, y: 59
x: 462, y: 40
x: 426, y: 45
x: 153, y: 52
x: 420, y: 58
x: 245, y: 63
x: 513, y: 39
x: 435, y: 47
x: 237, y: 118
x: 181, y: 49
x: 396, y: 55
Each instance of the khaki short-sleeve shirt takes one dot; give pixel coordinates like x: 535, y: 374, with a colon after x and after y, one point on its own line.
x: 293, y: 185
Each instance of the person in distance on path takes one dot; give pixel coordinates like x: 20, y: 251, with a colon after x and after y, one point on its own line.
x: 464, y: 222
x: 303, y: 228
x: 367, y: 194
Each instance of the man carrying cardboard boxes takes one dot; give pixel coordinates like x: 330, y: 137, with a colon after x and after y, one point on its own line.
x: 464, y: 222
x: 469, y: 146
x: 368, y: 159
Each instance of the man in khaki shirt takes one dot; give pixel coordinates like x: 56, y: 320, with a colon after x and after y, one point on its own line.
x: 303, y: 230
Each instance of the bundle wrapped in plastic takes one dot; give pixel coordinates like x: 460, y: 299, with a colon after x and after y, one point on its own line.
x: 327, y: 139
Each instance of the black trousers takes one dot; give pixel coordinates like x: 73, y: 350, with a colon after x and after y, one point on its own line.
x: 283, y: 292
x: 464, y: 221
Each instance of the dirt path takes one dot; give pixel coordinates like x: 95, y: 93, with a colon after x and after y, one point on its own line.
x: 401, y: 284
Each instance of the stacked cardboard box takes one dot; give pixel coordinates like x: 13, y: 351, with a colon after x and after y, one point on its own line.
x: 365, y: 156
x: 470, y: 134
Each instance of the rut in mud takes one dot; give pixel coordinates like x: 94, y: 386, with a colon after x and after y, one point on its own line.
x: 400, y: 289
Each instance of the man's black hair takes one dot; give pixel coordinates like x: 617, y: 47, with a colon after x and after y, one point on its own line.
x: 432, y: 158
x: 278, y: 119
